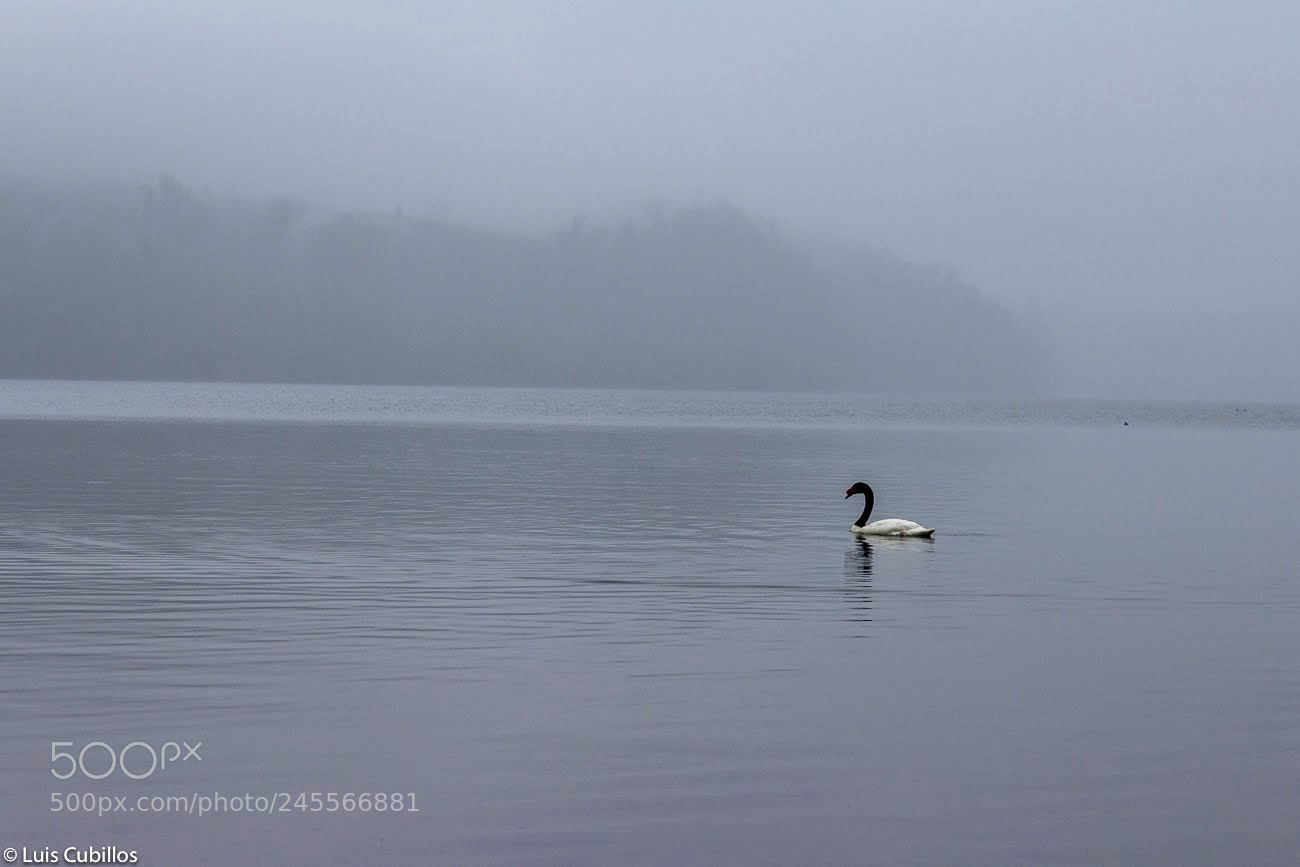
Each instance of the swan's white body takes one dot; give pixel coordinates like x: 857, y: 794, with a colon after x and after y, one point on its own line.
x: 894, y: 527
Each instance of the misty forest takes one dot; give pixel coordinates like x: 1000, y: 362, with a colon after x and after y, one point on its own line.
x: 158, y: 281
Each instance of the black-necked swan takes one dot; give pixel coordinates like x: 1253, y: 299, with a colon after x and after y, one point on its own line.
x: 887, y: 527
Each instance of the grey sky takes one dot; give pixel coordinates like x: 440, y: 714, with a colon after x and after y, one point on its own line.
x: 1126, y: 172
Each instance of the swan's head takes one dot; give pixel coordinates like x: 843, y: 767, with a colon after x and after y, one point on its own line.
x: 857, y: 488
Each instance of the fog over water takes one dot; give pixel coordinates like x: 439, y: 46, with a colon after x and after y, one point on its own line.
x: 1120, y: 178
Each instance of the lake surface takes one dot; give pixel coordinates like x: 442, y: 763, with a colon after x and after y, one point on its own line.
x: 580, y: 627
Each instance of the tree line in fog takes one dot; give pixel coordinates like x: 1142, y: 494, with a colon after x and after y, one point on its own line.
x: 159, y: 282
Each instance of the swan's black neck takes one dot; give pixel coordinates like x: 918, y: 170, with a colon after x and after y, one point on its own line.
x: 866, y: 508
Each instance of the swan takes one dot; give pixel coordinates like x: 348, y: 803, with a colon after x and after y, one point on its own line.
x: 887, y: 527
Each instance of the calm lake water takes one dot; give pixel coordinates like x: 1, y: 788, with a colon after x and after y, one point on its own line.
x: 580, y: 627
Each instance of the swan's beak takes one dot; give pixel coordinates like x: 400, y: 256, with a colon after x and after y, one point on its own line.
x: 848, y: 494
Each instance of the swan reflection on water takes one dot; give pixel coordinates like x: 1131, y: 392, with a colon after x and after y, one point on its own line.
x: 857, y: 573
x: 857, y: 561
x: 859, y: 568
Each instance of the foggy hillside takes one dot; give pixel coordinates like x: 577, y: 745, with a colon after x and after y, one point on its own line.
x: 1121, y: 175
x: 164, y: 283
